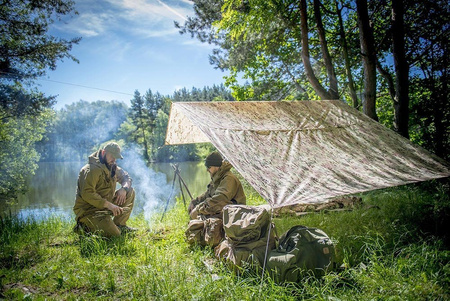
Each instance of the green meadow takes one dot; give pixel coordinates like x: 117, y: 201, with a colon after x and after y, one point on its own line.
x: 392, y: 247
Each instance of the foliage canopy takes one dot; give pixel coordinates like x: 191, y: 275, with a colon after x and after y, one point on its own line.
x: 288, y: 49
x: 27, y: 51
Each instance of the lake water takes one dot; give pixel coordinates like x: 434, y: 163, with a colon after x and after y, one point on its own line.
x: 53, y: 187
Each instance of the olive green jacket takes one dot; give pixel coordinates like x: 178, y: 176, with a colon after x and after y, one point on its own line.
x: 95, y: 186
x: 224, y: 189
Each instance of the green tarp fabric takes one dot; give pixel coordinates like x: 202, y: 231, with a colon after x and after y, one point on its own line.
x: 304, y: 152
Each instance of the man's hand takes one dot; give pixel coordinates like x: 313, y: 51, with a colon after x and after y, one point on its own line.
x: 120, y: 197
x: 116, y: 210
x: 194, y: 213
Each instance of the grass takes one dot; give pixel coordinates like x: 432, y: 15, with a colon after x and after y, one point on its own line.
x: 396, y: 250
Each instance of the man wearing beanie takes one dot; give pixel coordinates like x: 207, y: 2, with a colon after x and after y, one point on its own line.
x: 97, y: 198
x: 224, y: 189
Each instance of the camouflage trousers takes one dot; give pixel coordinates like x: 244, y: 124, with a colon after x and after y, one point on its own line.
x: 105, y: 224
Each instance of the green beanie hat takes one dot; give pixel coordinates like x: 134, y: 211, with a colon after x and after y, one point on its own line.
x: 213, y: 159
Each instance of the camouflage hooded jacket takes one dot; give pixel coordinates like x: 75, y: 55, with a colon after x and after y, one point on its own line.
x: 224, y: 189
x: 96, y: 184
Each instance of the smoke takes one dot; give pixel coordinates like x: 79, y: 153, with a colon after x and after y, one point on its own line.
x: 152, y: 188
x: 81, y: 128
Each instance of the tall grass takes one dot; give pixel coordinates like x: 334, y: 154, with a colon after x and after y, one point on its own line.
x: 395, y: 250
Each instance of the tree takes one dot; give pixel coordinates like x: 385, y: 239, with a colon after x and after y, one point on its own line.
x: 241, y: 51
x: 139, y: 115
x: 417, y: 80
x: 427, y: 52
x: 333, y: 92
x: 157, y: 108
x: 167, y: 153
x: 80, y: 128
x: 152, y: 102
x: 288, y: 50
x: 294, y: 19
x: 346, y: 55
x: 271, y: 43
x: 368, y: 54
x: 17, y: 154
x: 28, y: 51
x: 401, y: 101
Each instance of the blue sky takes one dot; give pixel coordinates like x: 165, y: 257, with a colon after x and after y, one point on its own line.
x: 128, y: 45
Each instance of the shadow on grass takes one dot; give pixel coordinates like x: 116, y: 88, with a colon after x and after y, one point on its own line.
x: 94, y: 245
x: 12, y: 259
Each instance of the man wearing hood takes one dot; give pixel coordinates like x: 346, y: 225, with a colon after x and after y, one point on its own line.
x: 97, y: 198
x: 224, y: 189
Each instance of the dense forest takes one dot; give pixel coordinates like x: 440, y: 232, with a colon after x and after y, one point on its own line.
x: 388, y: 59
x: 82, y: 127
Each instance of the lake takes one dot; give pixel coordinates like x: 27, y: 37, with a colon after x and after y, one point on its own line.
x: 52, y: 188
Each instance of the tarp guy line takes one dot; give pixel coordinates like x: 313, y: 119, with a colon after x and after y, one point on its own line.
x: 304, y: 151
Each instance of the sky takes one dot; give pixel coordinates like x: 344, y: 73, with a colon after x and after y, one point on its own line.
x: 128, y: 45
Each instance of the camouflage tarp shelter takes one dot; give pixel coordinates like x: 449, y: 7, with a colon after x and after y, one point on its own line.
x: 304, y: 151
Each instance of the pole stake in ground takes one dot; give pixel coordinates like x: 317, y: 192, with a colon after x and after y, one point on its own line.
x: 181, y: 183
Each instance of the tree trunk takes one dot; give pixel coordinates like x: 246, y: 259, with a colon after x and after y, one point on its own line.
x: 401, y: 103
x: 146, y: 156
x: 389, y: 80
x: 438, y: 112
x: 439, y: 94
x: 368, y: 53
x: 351, y: 83
x: 323, y: 94
x: 333, y: 91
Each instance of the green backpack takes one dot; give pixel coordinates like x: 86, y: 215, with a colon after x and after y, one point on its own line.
x: 301, y: 249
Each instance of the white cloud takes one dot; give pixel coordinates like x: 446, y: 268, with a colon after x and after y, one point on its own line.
x: 118, y: 51
x: 142, y: 18
x: 155, y: 33
x: 89, y: 24
x: 173, y: 10
x: 151, y: 11
x: 150, y: 18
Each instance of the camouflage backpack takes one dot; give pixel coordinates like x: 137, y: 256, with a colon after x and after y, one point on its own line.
x: 208, y: 232
x: 246, y: 233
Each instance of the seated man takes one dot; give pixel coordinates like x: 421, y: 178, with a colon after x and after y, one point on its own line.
x: 96, y: 191
x: 224, y: 189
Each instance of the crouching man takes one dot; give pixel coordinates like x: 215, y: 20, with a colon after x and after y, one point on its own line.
x: 97, y: 198
x: 205, y: 211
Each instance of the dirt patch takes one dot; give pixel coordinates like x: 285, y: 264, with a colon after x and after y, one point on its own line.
x: 157, y: 234
x: 61, y: 244
x: 337, y: 204
x: 26, y: 289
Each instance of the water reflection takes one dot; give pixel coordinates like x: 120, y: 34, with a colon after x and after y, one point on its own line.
x: 52, y: 188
